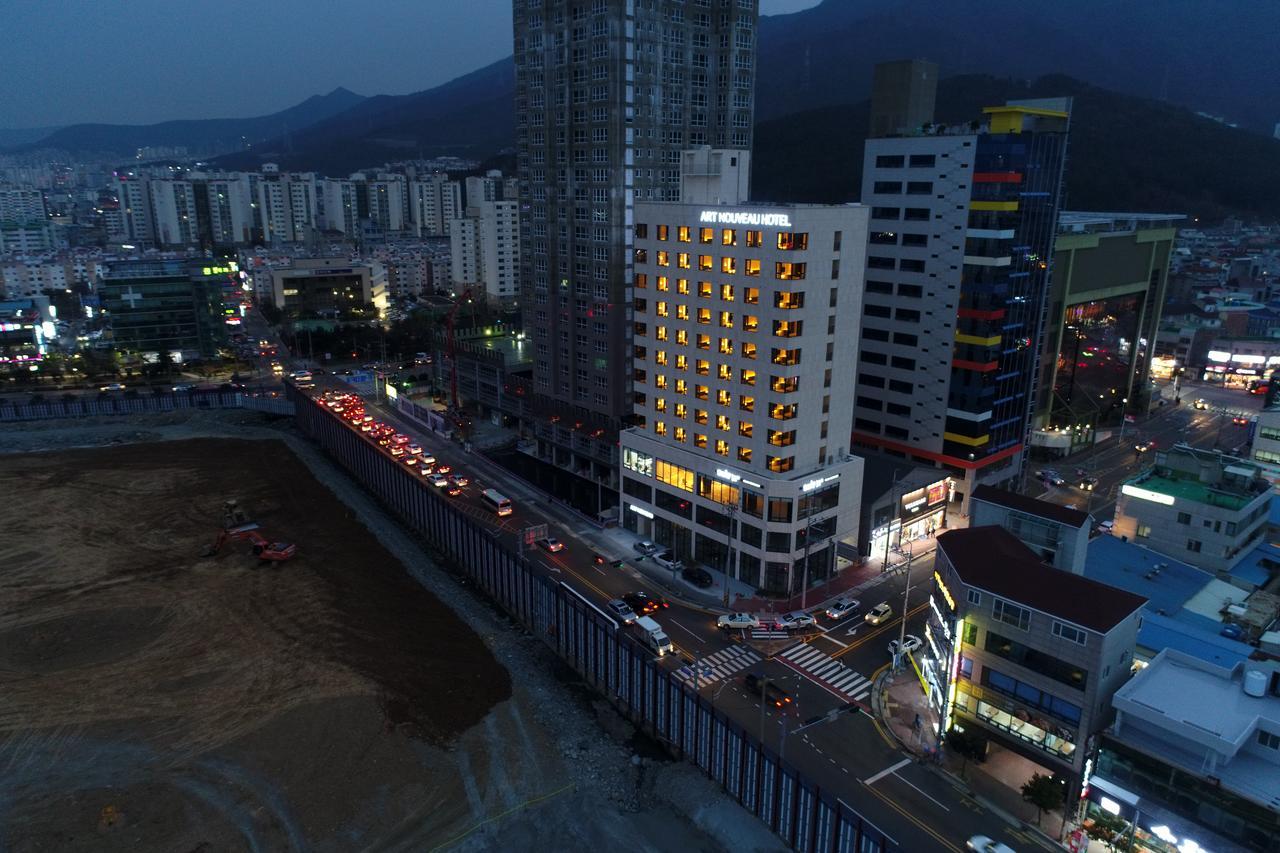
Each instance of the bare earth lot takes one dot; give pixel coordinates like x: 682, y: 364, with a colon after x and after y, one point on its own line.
x: 155, y: 700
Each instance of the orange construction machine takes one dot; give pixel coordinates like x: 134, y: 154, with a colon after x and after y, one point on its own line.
x: 236, y: 526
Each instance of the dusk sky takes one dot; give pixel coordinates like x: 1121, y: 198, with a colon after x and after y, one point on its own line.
x: 69, y: 61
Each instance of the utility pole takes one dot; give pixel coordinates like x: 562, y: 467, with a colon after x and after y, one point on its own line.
x: 804, y: 584
x: 893, y: 515
x: 906, y: 593
x: 731, y: 509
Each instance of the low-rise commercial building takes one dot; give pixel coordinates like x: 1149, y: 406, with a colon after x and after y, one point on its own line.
x: 1057, y: 534
x: 1193, y: 758
x: 1200, y: 506
x: 330, y: 287
x: 1028, y: 654
x: 164, y: 307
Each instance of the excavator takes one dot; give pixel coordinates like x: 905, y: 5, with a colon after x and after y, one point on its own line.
x: 237, y: 526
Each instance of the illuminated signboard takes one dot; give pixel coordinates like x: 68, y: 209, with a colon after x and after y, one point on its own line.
x: 1146, y: 495
x: 946, y: 593
x: 744, y: 217
x: 640, y: 511
x: 726, y: 474
x: 938, y: 492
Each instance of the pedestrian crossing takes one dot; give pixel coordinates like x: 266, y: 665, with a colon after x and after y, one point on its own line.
x: 769, y: 634
x: 719, y: 665
x: 827, y: 671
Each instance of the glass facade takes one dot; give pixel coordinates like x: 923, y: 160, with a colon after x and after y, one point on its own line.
x: 1101, y: 348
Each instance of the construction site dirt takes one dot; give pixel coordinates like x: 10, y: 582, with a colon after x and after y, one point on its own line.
x: 152, y: 699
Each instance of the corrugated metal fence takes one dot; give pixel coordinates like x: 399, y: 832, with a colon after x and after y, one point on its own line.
x: 806, y: 817
x: 90, y: 407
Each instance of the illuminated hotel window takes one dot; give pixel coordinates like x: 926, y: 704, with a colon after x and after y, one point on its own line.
x: 682, y: 286
x: 699, y: 440
x: 673, y: 475
x: 744, y: 455
x: 745, y: 429
x: 662, y: 232
x: 706, y: 235
x: 793, y: 240
x: 662, y: 309
x: 659, y: 404
x: 660, y: 357
x: 726, y: 292
x: 750, y: 323
x: 700, y: 416
x: 728, y: 266
x: 704, y: 262
x: 747, y: 377
x: 754, y: 240
x: 786, y: 357
x: 660, y: 332
x: 702, y: 392
x: 660, y: 381
x: 682, y: 387
x: 787, y: 328
x: 682, y: 233
x: 779, y: 438
x: 679, y: 434
x: 726, y: 319
x: 788, y: 271
x: 662, y: 284
x: 704, y: 315
x: 726, y: 346
x: 781, y: 464
x: 749, y: 350
x: 704, y: 342
x: 641, y: 281
x: 714, y: 490
x: 751, y: 295
x: 724, y: 398
x: 681, y: 410
x: 704, y: 289
x: 664, y: 258
x: 781, y: 412
x: 724, y: 372
x: 785, y: 384
x: 682, y: 311
x: 682, y: 362
x: 682, y: 260
x: 703, y: 367
x: 722, y: 447
x: 751, y: 266
x: 682, y: 337
x: 788, y: 300
x: 660, y: 427
x: 728, y: 237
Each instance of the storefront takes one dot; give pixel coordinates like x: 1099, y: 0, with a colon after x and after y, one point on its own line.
x: 919, y: 513
x: 1240, y: 371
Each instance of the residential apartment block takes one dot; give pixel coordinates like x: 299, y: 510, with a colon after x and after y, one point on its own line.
x: 1200, y: 506
x: 958, y: 266
x: 484, y: 248
x: 1035, y: 653
x: 608, y: 95
x: 1057, y: 534
x: 746, y: 323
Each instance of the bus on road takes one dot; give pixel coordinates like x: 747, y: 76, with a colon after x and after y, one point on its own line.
x: 496, y: 502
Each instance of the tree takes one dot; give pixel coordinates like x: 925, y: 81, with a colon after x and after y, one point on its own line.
x: 969, y: 745
x: 1045, y: 793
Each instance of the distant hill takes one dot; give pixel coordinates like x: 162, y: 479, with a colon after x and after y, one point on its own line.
x: 10, y: 137
x: 1126, y: 153
x: 202, y: 137
x: 471, y: 116
x: 1218, y: 56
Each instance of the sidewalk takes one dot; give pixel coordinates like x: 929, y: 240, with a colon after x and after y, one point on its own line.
x: 899, y: 702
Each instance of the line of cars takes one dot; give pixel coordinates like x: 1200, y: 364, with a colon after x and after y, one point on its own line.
x: 397, y: 445
x: 696, y: 575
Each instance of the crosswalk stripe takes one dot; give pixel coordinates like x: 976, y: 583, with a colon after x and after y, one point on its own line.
x: 821, y: 666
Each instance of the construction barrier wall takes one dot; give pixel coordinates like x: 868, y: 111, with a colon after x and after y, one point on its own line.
x: 92, y: 407
x: 806, y: 817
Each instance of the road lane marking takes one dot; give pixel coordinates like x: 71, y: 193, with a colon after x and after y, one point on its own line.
x: 837, y: 642
x: 885, y: 772
x: 903, y: 779
x: 676, y: 622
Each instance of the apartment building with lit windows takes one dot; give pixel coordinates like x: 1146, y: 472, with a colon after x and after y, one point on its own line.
x: 958, y: 265
x: 744, y: 348
x: 608, y: 95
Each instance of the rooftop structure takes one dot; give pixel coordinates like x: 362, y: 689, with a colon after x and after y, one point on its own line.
x: 1059, y: 535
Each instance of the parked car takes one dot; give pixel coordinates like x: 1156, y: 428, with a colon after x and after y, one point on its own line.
x: 796, y: 619
x: 879, y: 613
x: 982, y: 844
x: 756, y: 683
x: 668, y: 560
x: 551, y: 544
x: 699, y: 577
x: 619, y: 608
x: 842, y: 607
x: 645, y: 547
x: 909, y: 645
x: 737, y: 620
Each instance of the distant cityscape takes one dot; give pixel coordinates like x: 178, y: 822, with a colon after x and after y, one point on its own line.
x: 1034, y: 450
